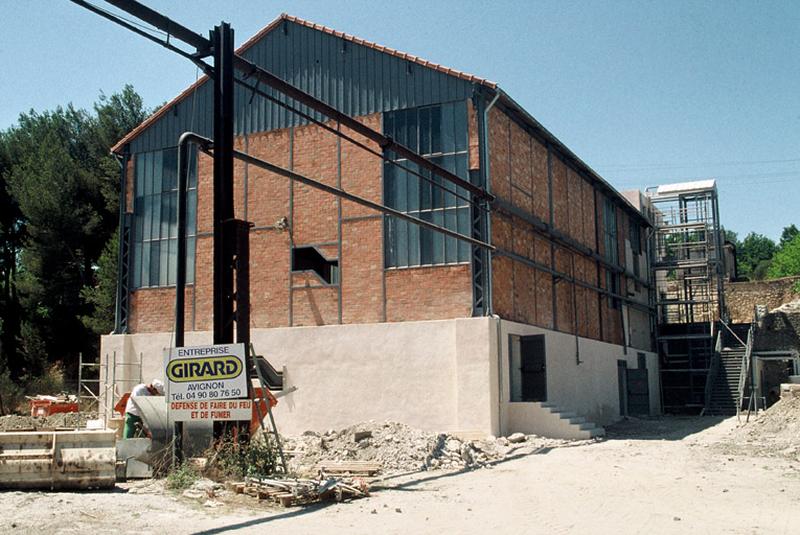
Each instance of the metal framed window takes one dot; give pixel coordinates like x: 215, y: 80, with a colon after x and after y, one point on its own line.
x: 155, y: 215
x: 610, y: 231
x: 439, y: 133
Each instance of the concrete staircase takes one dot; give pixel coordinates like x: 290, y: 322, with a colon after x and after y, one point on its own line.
x: 547, y: 420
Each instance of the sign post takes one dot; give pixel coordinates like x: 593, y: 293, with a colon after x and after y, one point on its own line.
x: 208, y: 383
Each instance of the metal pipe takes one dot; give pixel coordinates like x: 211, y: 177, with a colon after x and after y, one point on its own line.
x: 207, y: 145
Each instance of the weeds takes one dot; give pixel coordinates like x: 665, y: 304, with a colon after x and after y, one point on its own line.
x: 182, y: 477
x: 257, y: 458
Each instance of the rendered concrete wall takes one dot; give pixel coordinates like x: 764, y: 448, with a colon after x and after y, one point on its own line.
x: 442, y: 375
x: 589, y: 389
x: 435, y: 375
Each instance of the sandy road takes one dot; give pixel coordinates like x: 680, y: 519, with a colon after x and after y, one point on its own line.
x: 656, y: 476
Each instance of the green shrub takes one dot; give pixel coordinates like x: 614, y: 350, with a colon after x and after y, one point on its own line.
x: 257, y: 458
x: 182, y: 477
x: 11, y: 395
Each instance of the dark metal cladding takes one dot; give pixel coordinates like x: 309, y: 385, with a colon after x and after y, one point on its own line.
x: 352, y: 78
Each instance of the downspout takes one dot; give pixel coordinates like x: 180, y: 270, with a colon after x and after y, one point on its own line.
x: 483, y: 156
x: 498, y: 326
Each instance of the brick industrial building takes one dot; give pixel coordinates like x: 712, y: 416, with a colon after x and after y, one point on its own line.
x: 374, y: 317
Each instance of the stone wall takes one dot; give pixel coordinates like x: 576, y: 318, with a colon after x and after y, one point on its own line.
x: 741, y: 297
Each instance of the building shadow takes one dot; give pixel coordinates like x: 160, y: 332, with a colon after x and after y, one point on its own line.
x: 661, y: 427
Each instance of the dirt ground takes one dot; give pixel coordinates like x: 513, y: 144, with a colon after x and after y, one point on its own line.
x: 665, y: 475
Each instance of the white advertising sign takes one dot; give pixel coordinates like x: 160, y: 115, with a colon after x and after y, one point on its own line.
x: 206, y: 373
x: 196, y: 411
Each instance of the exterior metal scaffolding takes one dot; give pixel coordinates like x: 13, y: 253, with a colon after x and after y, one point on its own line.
x: 687, y: 271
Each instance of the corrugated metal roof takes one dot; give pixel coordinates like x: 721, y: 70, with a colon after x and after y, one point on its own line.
x: 354, y: 75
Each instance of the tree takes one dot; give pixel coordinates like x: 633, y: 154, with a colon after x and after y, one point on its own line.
x: 789, y: 233
x: 58, y: 174
x: 753, y: 255
x: 786, y: 262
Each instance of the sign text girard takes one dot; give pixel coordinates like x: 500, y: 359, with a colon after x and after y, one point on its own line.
x: 206, y: 373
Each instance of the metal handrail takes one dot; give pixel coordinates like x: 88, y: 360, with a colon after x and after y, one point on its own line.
x: 745, y: 370
x: 723, y: 322
x: 713, y: 368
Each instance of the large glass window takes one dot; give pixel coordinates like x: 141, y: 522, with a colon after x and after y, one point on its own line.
x: 155, y: 210
x: 612, y: 249
x: 439, y: 133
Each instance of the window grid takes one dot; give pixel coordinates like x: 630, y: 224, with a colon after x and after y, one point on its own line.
x: 438, y: 133
x: 155, y: 236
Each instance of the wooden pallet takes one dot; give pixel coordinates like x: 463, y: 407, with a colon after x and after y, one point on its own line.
x: 356, y: 468
x: 302, y: 491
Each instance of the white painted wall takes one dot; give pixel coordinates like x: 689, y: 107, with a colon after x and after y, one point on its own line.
x: 589, y: 389
x: 435, y: 375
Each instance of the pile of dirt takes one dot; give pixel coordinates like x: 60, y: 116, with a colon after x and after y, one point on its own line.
x: 67, y: 420
x: 400, y: 448
x: 774, y: 433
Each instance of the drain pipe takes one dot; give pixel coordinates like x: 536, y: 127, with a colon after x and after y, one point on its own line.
x: 498, y: 326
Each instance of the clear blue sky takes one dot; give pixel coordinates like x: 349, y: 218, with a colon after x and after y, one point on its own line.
x: 644, y: 92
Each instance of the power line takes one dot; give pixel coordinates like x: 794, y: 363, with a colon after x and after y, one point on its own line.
x: 644, y: 166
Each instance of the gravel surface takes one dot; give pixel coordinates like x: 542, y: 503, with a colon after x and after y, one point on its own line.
x: 651, y: 476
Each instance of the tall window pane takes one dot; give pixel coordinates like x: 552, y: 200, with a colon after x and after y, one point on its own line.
x: 156, y: 218
x: 440, y: 134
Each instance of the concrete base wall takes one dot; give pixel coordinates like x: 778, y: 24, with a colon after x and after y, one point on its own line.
x: 589, y: 389
x: 436, y: 375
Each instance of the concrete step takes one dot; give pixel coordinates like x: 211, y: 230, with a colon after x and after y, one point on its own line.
x: 547, y: 420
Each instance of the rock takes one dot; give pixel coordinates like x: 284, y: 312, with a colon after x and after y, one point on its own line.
x: 211, y: 503
x: 516, y: 438
x: 502, y: 441
x: 193, y: 494
x: 358, y: 436
x: 452, y: 445
x: 398, y: 510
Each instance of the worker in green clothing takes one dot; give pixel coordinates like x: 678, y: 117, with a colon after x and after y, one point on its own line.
x: 133, y: 420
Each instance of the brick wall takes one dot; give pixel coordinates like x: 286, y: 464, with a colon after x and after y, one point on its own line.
x: 523, y: 173
x: 741, y: 297
x: 366, y: 292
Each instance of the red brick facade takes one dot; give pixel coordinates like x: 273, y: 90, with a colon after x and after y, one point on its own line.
x: 534, y: 284
x: 523, y: 173
x: 366, y: 293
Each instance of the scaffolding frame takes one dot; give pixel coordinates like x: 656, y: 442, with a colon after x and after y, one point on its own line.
x: 687, y: 263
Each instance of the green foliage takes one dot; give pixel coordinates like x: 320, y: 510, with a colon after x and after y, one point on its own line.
x: 257, y: 458
x: 789, y: 233
x: 59, y: 197
x: 751, y: 254
x: 182, y: 477
x: 11, y: 394
x: 102, y: 296
x: 786, y: 262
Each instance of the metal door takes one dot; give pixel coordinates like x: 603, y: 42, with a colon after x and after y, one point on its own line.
x: 638, y: 392
x: 534, y: 377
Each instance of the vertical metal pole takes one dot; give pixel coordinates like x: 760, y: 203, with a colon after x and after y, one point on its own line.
x: 80, y: 374
x: 224, y: 231
x: 180, y: 275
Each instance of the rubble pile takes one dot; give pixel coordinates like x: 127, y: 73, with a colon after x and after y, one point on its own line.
x: 775, y: 432
x: 66, y: 420
x: 397, y: 447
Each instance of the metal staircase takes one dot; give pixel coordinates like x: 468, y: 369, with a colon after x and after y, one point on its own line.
x: 723, y: 396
